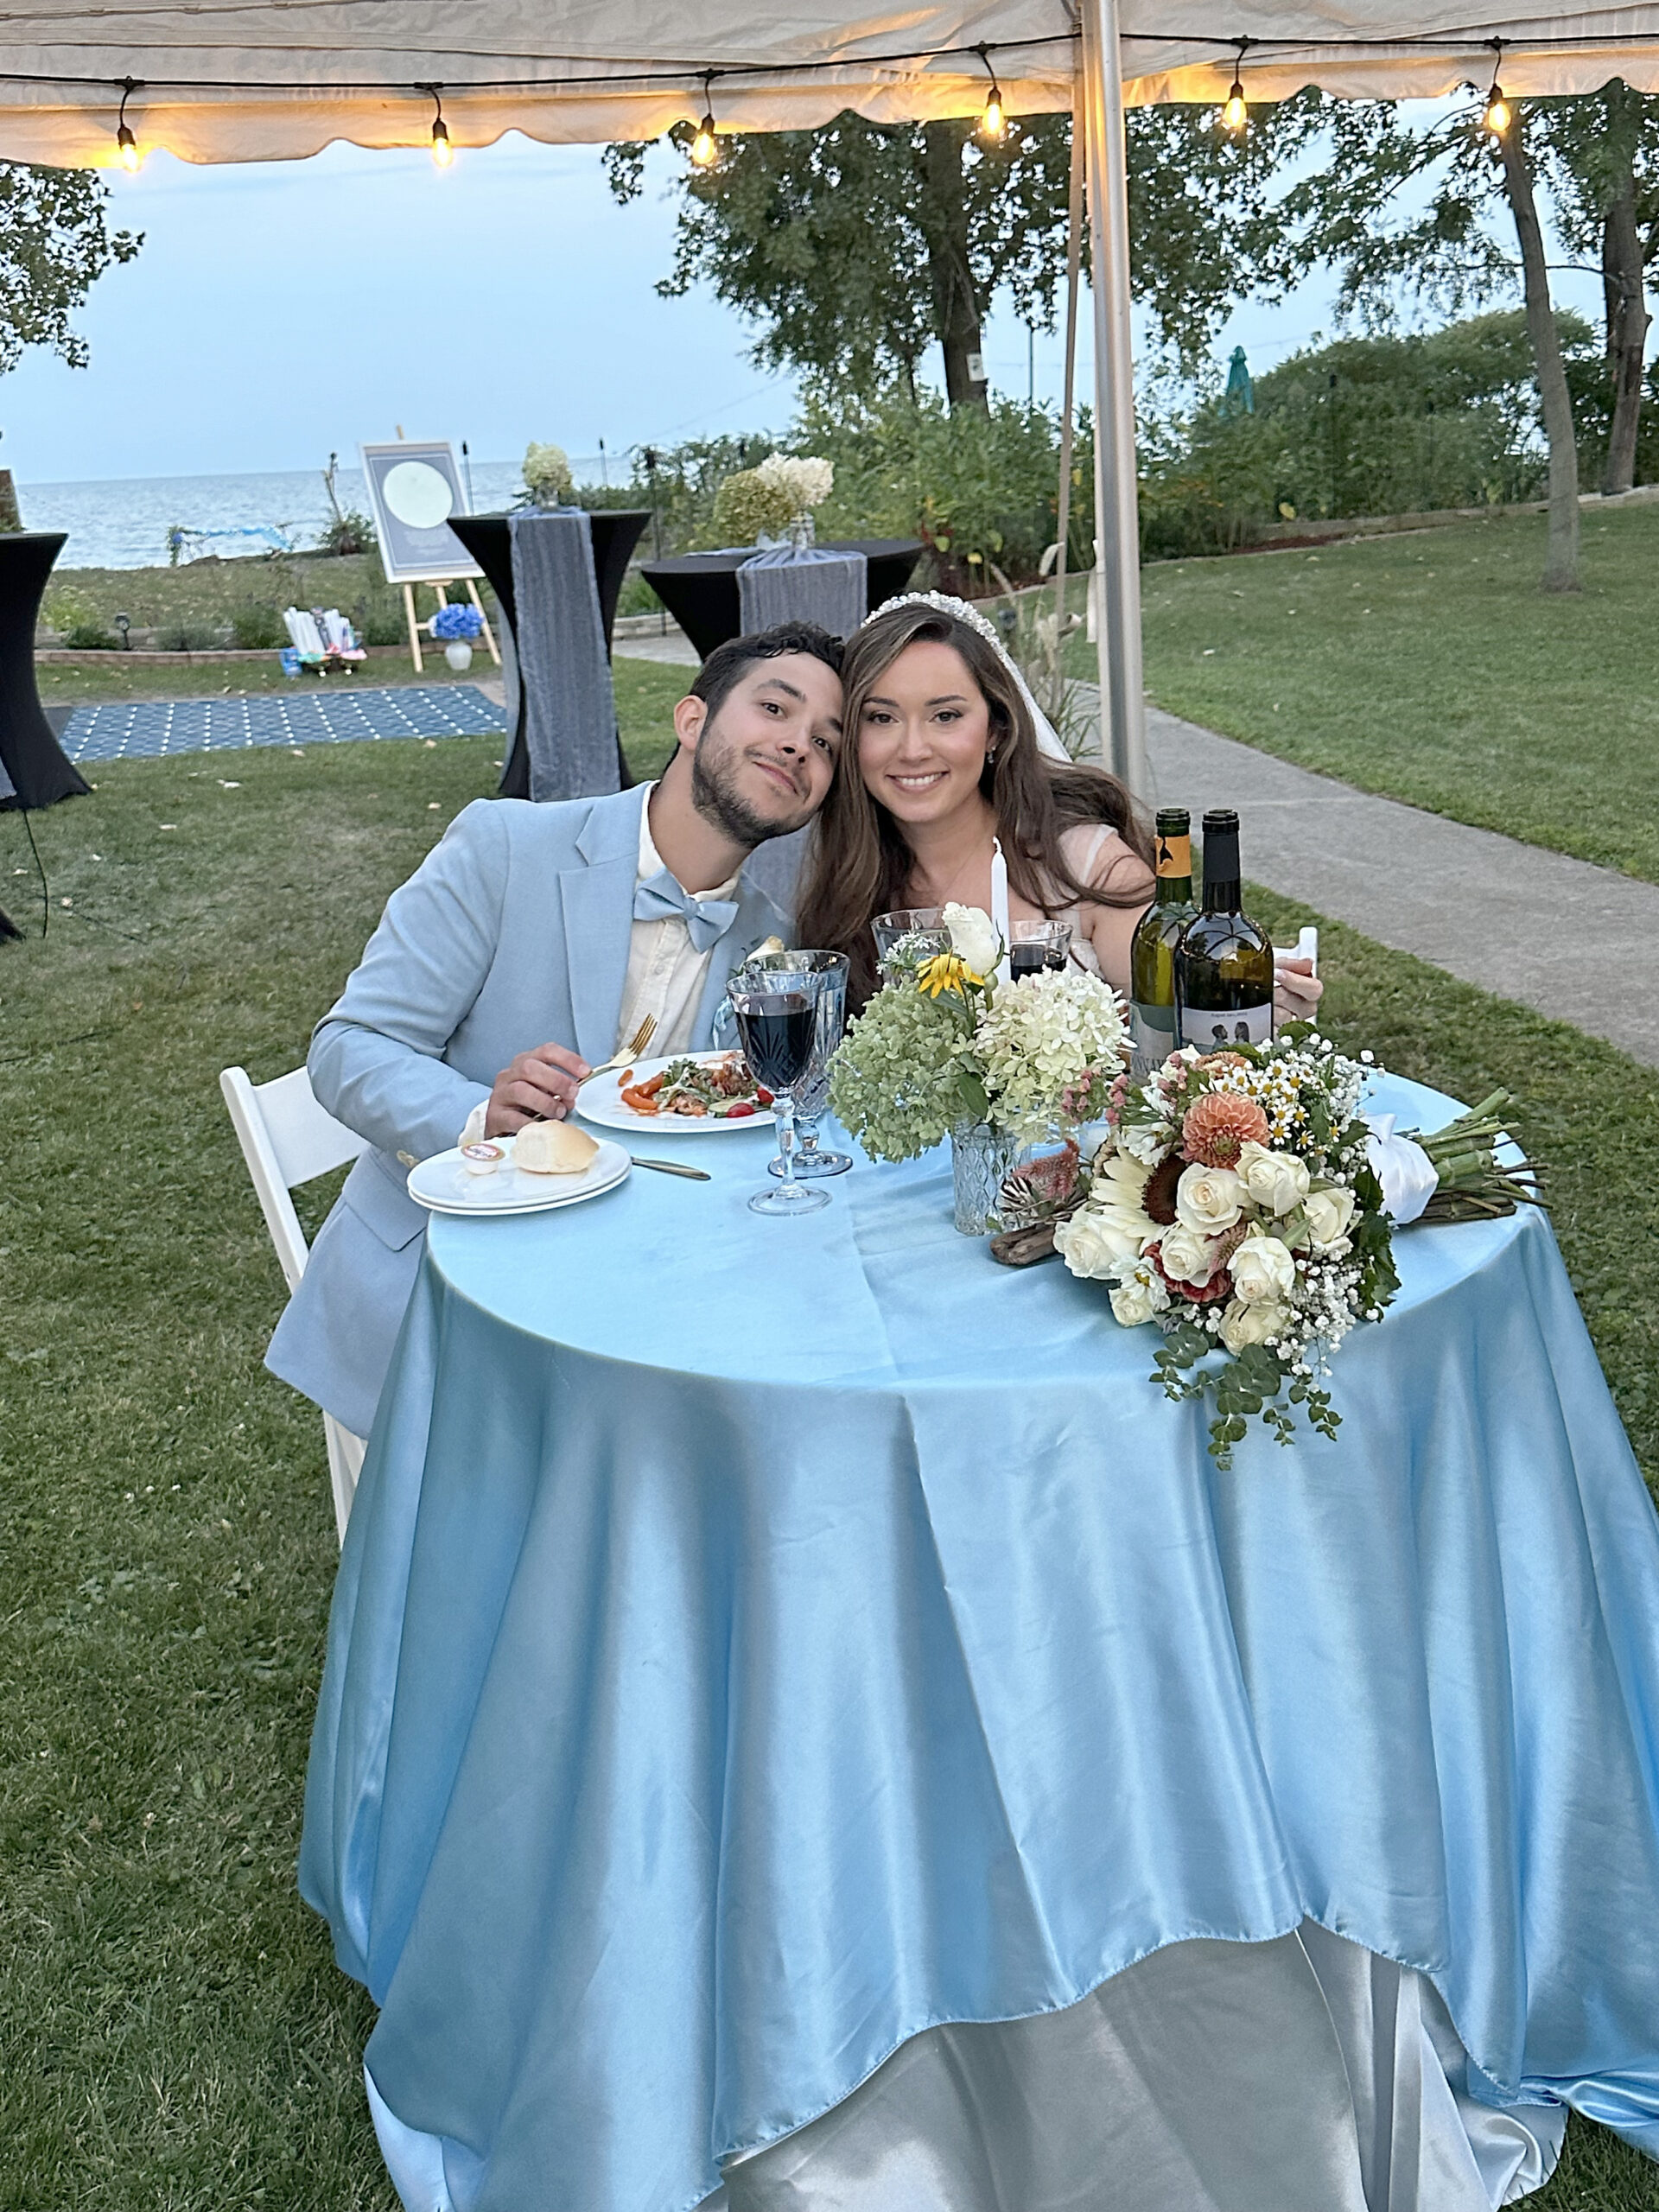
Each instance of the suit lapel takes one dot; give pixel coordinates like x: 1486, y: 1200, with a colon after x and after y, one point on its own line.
x: 597, y: 901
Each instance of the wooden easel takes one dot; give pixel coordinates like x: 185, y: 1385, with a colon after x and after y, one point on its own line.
x: 443, y: 591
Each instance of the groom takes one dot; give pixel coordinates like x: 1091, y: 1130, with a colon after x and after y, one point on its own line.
x: 529, y: 944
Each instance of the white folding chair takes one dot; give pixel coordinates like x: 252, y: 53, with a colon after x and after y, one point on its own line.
x: 286, y: 1138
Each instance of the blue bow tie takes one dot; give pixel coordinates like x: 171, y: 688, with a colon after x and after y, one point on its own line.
x: 662, y: 896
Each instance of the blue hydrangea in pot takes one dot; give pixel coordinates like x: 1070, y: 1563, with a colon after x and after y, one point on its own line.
x: 456, y: 626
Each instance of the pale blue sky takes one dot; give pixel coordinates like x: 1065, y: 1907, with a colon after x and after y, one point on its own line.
x: 281, y: 310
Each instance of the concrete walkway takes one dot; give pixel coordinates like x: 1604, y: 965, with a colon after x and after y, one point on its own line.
x: 1573, y: 941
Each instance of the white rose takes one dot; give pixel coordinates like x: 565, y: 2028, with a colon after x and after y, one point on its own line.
x: 1276, y: 1180
x: 973, y: 934
x: 1243, y: 1325
x: 1262, y: 1268
x: 1329, y: 1213
x: 1188, y: 1255
x: 1138, y: 1297
x: 1208, y: 1199
x: 1095, y: 1245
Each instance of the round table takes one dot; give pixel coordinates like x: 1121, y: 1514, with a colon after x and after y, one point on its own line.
x: 757, y: 1643
x: 700, y: 590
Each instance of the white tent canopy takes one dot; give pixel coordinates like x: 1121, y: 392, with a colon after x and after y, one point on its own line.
x: 265, y: 79
x: 228, y: 81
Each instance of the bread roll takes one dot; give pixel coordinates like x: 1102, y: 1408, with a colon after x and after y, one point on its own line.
x: 553, y: 1148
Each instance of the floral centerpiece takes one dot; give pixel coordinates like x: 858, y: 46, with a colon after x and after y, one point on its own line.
x: 456, y: 626
x: 773, y: 501
x: 1237, y: 1204
x: 944, y: 1050
x: 455, y: 619
x: 547, y: 475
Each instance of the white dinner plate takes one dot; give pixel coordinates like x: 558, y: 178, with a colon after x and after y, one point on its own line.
x: 600, y: 1102
x: 443, y: 1185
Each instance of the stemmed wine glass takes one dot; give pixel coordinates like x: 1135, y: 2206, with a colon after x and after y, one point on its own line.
x: 822, y: 975
x: 777, y: 1023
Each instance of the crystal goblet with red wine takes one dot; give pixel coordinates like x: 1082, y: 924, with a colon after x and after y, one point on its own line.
x: 1037, y: 945
x: 777, y: 1028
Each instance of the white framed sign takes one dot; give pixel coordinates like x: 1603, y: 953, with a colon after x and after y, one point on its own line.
x: 413, y: 488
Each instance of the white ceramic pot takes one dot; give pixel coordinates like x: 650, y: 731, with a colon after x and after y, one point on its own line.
x: 458, y: 654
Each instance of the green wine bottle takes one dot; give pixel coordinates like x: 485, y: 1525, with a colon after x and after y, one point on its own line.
x: 1224, y: 963
x: 1152, y: 951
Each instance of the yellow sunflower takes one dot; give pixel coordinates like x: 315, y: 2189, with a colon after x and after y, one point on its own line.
x: 946, y: 971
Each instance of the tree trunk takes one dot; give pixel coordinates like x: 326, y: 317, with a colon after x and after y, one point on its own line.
x: 1627, y: 313
x: 1561, y: 557
x: 943, y: 215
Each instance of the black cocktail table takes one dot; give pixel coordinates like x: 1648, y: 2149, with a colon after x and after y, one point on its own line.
x: 488, y: 538
x: 699, y: 589
x: 38, y: 769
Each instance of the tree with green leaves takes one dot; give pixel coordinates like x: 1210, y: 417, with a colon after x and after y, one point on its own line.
x: 1601, y: 153
x: 1447, y: 253
x: 858, y: 246
x: 55, y: 245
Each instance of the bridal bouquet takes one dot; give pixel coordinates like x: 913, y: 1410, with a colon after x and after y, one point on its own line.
x: 944, y: 1044
x: 1240, y: 1203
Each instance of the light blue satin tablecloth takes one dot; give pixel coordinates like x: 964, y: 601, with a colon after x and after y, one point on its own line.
x: 757, y: 1642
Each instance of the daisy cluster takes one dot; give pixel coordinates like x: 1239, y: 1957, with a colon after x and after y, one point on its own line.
x: 1234, y: 1206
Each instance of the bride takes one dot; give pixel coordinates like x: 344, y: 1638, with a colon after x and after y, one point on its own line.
x: 944, y: 771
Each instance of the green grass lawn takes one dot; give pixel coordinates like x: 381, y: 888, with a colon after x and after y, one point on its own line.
x: 173, y: 2032
x: 1431, y: 668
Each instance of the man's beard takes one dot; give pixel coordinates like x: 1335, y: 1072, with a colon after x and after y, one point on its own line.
x: 716, y: 796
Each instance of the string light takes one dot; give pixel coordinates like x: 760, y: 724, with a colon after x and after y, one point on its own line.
x: 993, y: 122
x: 1498, y: 116
x: 442, y: 152
x: 1236, y: 114
x: 126, y: 145
x: 705, y: 147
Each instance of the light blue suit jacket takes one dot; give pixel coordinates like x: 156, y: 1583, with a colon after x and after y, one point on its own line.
x: 513, y: 932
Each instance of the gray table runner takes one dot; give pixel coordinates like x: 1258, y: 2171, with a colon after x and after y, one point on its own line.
x: 569, y: 708
x: 789, y: 584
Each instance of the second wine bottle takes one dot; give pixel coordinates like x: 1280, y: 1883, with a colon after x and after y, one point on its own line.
x: 1224, y: 963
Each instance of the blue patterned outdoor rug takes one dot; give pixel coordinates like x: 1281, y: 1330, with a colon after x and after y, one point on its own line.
x: 145, y: 730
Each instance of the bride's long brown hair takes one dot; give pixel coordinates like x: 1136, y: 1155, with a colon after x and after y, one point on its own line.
x: 858, y: 862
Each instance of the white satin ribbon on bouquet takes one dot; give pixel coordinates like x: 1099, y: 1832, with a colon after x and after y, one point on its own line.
x: 1402, y: 1167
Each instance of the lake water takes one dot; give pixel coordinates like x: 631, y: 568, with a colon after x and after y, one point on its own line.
x: 124, y: 523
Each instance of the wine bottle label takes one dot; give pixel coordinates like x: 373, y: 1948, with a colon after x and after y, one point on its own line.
x: 1212, y: 1029
x: 1152, y: 1036
x: 1174, y: 856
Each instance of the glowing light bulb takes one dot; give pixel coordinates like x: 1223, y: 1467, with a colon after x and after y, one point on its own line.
x: 705, y: 147
x: 442, y: 152
x: 993, y: 122
x: 1497, y: 117
x: 1236, y: 114
x: 127, y: 148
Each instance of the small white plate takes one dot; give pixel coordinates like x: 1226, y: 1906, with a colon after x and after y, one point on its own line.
x: 443, y: 1185
x: 600, y: 1102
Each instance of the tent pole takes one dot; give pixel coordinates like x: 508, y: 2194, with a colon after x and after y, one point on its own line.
x: 1123, y: 722
x: 1073, y: 275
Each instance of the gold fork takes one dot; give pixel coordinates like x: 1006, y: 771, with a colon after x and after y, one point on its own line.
x: 636, y: 1044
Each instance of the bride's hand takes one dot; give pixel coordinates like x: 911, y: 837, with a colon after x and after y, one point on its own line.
x: 1296, y: 989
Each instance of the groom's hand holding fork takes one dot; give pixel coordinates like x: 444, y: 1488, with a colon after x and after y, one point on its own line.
x: 537, y: 1085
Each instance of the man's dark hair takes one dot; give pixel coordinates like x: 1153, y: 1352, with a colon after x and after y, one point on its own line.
x: 727, y: 663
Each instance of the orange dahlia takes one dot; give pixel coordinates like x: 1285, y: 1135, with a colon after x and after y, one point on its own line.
x: 1219, y: 1125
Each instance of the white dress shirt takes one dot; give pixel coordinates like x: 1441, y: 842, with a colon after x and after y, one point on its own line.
x: 666, y: 973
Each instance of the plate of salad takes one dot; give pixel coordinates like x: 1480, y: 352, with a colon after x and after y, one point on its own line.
x: 692, y: 1093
